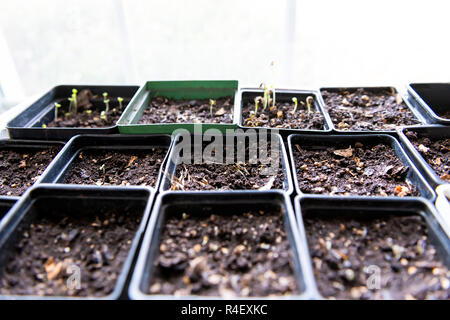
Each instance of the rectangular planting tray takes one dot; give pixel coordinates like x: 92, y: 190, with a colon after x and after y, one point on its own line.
x: 28, y: 144
x: 177, y: 90
x: 65, y: 160
x: 420, y: 117
x: 432, y: 99
x: 339, y: 207
x: 71, y: 199
x: 197, y: 140
x: 437, y: 132
x: 5, y: 206
x: 343, y: 141
x: 207, y: 202
x: 28, y: 124
x: 283, y: 95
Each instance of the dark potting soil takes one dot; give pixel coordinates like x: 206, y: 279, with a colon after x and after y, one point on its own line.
x: 365, y: 110
x: 89, y: 111
x: 445, y: 115
x: 163, y: 110
x: 435, y: 151
x: 248, y: 175
x: 364, y: 170
x: 54, y: 245
x: 20, y: 168
x: 246, y: 254
x: 117, y: 167
x: 349, y: 253
x: 282, y: 116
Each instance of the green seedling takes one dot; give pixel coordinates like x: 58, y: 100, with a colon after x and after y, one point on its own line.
x: 67, y: 114
x: 295, y: 101
x: 75, y: 100
x: 71, y: 104
x: 266, y: 97
x: 256, y: 105
x: 44, y: 126
x: 212, y: 103
x: 106, y: 101
x: 57, y: 106
x: 89, y: 112
x: 120, y: 99
x: 102, y: 168
x: 104, y: 116
x: 309, y: 102
x: 272, y: 89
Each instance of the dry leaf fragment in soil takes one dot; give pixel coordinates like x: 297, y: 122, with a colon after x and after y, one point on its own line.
x: 346, y: 153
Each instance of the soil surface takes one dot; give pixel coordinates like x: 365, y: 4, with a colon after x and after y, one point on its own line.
x: 282, y: 116
x: 365, y: 110
x: 435, y: 151
x: 20, y: 168
x: 97, y: 242
x: 163, y: 110
x: 124, y: 167
x: 248, y: 175
x: 246, y: 254
x: 398, y: 247
x: 89, y: 111
x: 364, y: 170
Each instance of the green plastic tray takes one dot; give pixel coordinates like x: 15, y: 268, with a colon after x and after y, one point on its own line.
x: 178, y: 90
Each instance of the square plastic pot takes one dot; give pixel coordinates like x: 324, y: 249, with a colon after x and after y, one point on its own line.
x: 177, y: 90
x: 432, y: 99
x: 437, y: 132
x: 36, y: 202
x: 421, y: 118
x: 64, y: 162
x: 28, y: 124
x: 28, y: 144
x: 353, y: 207
x: 284, y: 95
x: 173, y: 157
x: 168, y: 202
x: 343, y: 141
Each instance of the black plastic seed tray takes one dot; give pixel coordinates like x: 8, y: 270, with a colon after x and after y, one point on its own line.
x: 420, y: 117
x: 238, y: 138
x: 316, y: 142
x: 28, y: 124
x: 5, y: 206
x: 283, y: 95
x: 30, y: 145
x: 41, y: 200
x: 207, y: 203
x: 317, y: 207
x: 65, y: 160
x: 432, y: 132
x: 432, y: 99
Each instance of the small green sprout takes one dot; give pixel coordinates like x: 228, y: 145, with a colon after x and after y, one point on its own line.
x: 104, y: 116
x: 57, y: 106
x: 120, y: 99
x: 89, y: 112
x: 71, y: 104
x: 75, y: 102
x: 266, y: 96
x: 44, y: 126
x: 106, y: 101
x: 212, y: 103
x: 67, y: 114
x: 272, y: 89
x: 309, y: 102
x: 256, y: 105
x: 295, y: 101
x: 102, y: 168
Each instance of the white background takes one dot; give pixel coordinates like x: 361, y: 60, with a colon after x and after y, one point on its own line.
x: 313, y: 43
